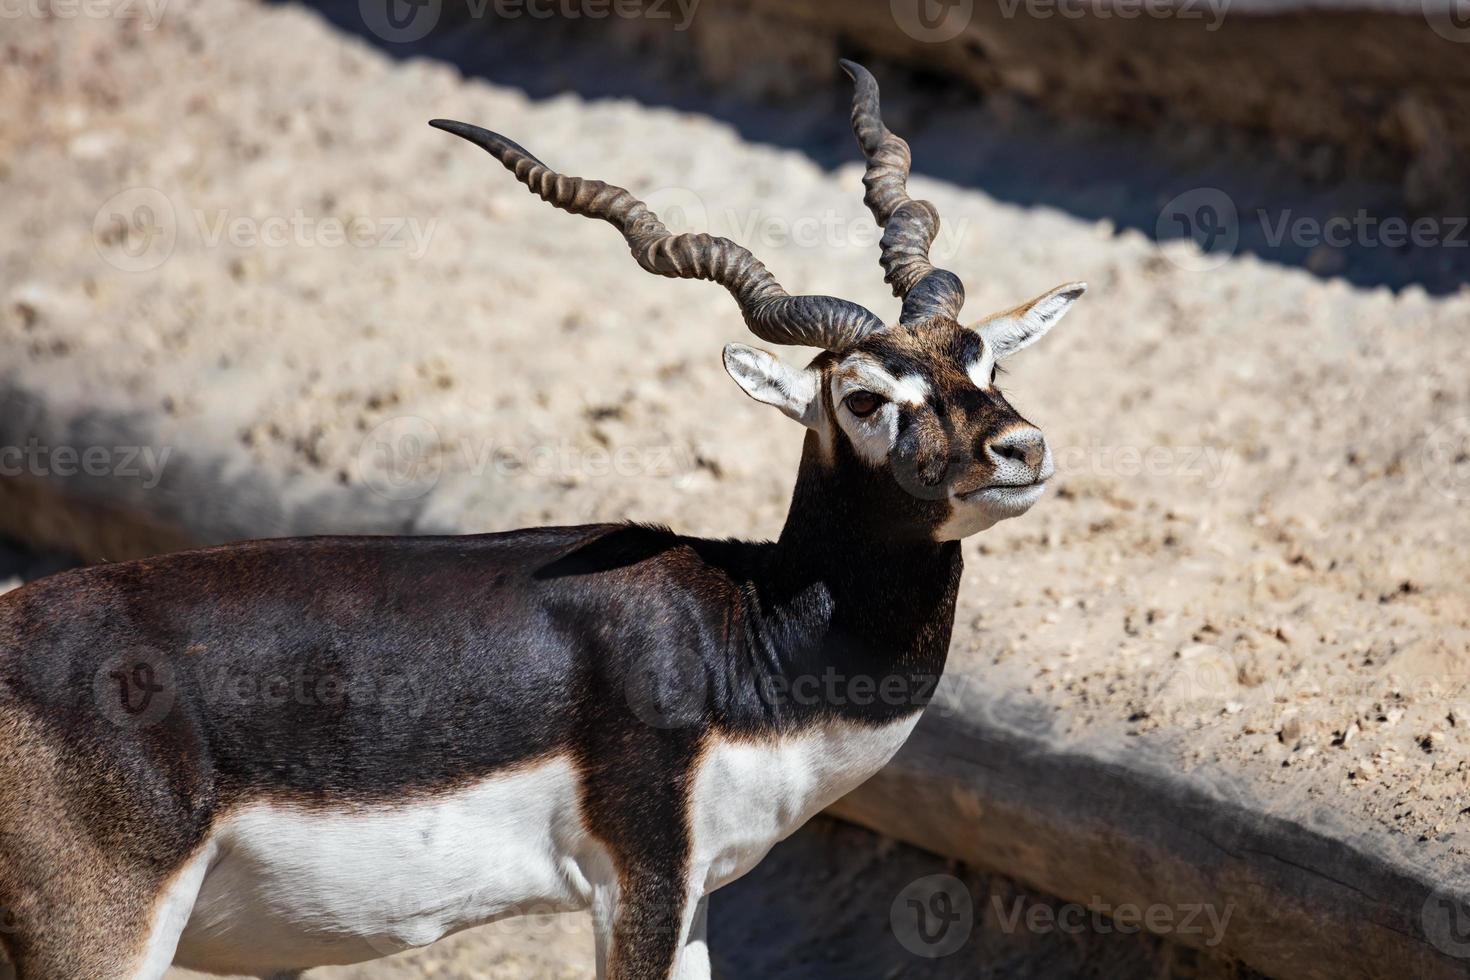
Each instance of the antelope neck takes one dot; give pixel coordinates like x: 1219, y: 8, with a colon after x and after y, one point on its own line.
x: 843, y: 595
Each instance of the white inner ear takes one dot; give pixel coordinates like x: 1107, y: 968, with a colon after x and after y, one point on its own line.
x: 766, y: 378
x: 1017, y: 329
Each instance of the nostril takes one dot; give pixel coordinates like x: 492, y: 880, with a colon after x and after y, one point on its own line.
x: 1016, y: 453
x: 1022, y: 446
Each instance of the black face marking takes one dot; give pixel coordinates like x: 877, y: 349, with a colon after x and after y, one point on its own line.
x: 940, y: 444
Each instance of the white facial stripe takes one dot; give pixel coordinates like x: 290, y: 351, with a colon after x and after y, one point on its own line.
x: 872, y: 438
x: 911, y: 389
x: 864, y: 374
x: 980, y: 368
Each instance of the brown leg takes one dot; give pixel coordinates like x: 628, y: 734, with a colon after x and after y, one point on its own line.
x: 83, y: 895
x: 649, y: 928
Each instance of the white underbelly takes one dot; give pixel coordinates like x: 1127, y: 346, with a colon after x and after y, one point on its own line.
x: 749, y: 794
x: 290, y: 887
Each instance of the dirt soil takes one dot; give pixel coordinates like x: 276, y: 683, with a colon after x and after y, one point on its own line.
x: 1256, y: 550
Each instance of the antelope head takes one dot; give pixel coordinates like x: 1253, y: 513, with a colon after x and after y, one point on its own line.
x: 908, y: 412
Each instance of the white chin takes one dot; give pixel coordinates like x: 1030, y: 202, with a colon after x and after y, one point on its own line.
x: 986, y: 508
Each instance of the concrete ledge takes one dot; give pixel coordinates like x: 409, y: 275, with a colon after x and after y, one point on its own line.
x: 1113, y: 822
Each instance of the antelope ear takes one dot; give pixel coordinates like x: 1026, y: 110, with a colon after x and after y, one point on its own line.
x: 1005, y: 333
x: 766, y: 378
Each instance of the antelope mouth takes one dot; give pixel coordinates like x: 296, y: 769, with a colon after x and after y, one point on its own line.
x: 1005, y: 492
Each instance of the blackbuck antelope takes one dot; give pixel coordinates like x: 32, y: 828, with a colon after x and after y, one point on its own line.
x: 270, y: 756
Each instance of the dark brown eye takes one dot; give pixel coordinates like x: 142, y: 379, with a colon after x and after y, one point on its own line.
x: 862, y: 403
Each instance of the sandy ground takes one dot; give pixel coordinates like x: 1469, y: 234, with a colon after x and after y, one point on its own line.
x: 1257, y: 547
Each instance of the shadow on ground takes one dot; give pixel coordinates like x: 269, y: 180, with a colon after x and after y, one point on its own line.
x: 835, y: 902
x: 1164, y: 185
